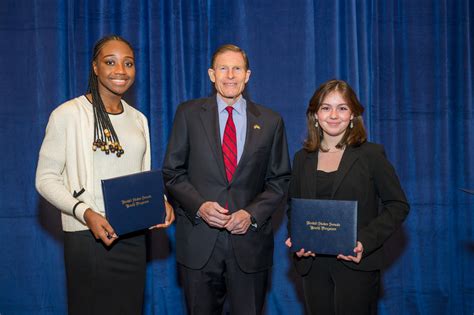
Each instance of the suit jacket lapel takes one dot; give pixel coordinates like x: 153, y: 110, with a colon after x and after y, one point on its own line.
x: 309, y: 184
x: 254, y: 129
x: 210, y: 122
x: 348, y: 158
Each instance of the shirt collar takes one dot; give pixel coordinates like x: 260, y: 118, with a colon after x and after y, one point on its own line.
x: 239, y: 106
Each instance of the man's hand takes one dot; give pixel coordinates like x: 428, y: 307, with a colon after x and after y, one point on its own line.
x: 100, y: 227
x: 239, y: 222
x: 214, y: 214
x: 168, y: 219
x: 358, y: 250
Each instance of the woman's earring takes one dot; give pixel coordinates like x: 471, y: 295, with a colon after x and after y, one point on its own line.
x: 351, y: 125
x: 316, y: 124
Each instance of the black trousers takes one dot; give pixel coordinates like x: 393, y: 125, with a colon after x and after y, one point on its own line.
x: 206, y: 289
x: 104, y: 280
x: 333, y: 288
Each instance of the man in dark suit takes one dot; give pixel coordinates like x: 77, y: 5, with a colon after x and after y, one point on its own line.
x: 227, y: 169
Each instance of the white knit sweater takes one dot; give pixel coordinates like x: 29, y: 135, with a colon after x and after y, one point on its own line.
x: 65, y: 163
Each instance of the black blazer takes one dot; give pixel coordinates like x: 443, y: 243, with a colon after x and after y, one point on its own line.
x: 194, y: 173
x: 364, y: 175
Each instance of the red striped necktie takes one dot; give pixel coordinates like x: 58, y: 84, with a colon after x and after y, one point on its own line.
x: 229, y: 145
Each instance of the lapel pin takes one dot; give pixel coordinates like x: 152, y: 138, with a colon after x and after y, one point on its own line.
x: 256, y: 126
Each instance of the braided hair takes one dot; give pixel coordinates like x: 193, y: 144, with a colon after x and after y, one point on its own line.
x: 105, y: 137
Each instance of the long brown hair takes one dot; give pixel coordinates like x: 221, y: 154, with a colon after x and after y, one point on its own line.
x: 353, y: 136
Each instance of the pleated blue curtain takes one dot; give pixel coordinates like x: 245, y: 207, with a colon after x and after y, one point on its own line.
x: 410, y: 62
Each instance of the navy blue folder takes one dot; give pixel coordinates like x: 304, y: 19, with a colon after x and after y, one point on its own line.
x: 134, y: 202
x: 324, y: 226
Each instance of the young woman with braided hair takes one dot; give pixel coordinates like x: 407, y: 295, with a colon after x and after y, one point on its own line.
x: 90, y: 138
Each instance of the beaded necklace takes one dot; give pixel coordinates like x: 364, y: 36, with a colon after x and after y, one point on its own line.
x: 105, y: 137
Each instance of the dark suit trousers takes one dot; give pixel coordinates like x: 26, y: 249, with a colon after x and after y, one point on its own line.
x: 104, y: 280
x: 331, y: 287
x: 206, y: 289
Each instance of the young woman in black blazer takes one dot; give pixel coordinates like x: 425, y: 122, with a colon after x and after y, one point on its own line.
x: 336, y: 162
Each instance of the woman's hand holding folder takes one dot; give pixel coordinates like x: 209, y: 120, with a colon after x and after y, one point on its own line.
x: 358, y: 250
x: 100, y: 227
x: 169, y: 218
x: 301, y: 252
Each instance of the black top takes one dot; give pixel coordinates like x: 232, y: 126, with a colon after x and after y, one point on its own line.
x: 325, y: 181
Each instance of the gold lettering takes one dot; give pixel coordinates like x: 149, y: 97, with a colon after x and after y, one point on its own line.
x: 139, y: 203
x: 136, y: 201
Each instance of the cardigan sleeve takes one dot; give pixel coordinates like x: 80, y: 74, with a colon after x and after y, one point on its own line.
x: 51, y: 165
x: 146, y: 164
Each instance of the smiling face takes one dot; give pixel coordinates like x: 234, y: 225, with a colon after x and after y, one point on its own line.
x: 334, y: 115
x: 115, y: 68
x: 229, y: 75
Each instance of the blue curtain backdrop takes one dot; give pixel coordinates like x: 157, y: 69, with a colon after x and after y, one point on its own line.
x: 411, y: 63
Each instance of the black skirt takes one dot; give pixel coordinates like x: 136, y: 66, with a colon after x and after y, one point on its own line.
x: 104, y: 280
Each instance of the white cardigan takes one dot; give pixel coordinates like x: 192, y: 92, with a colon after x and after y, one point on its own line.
x: 65, y: 163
